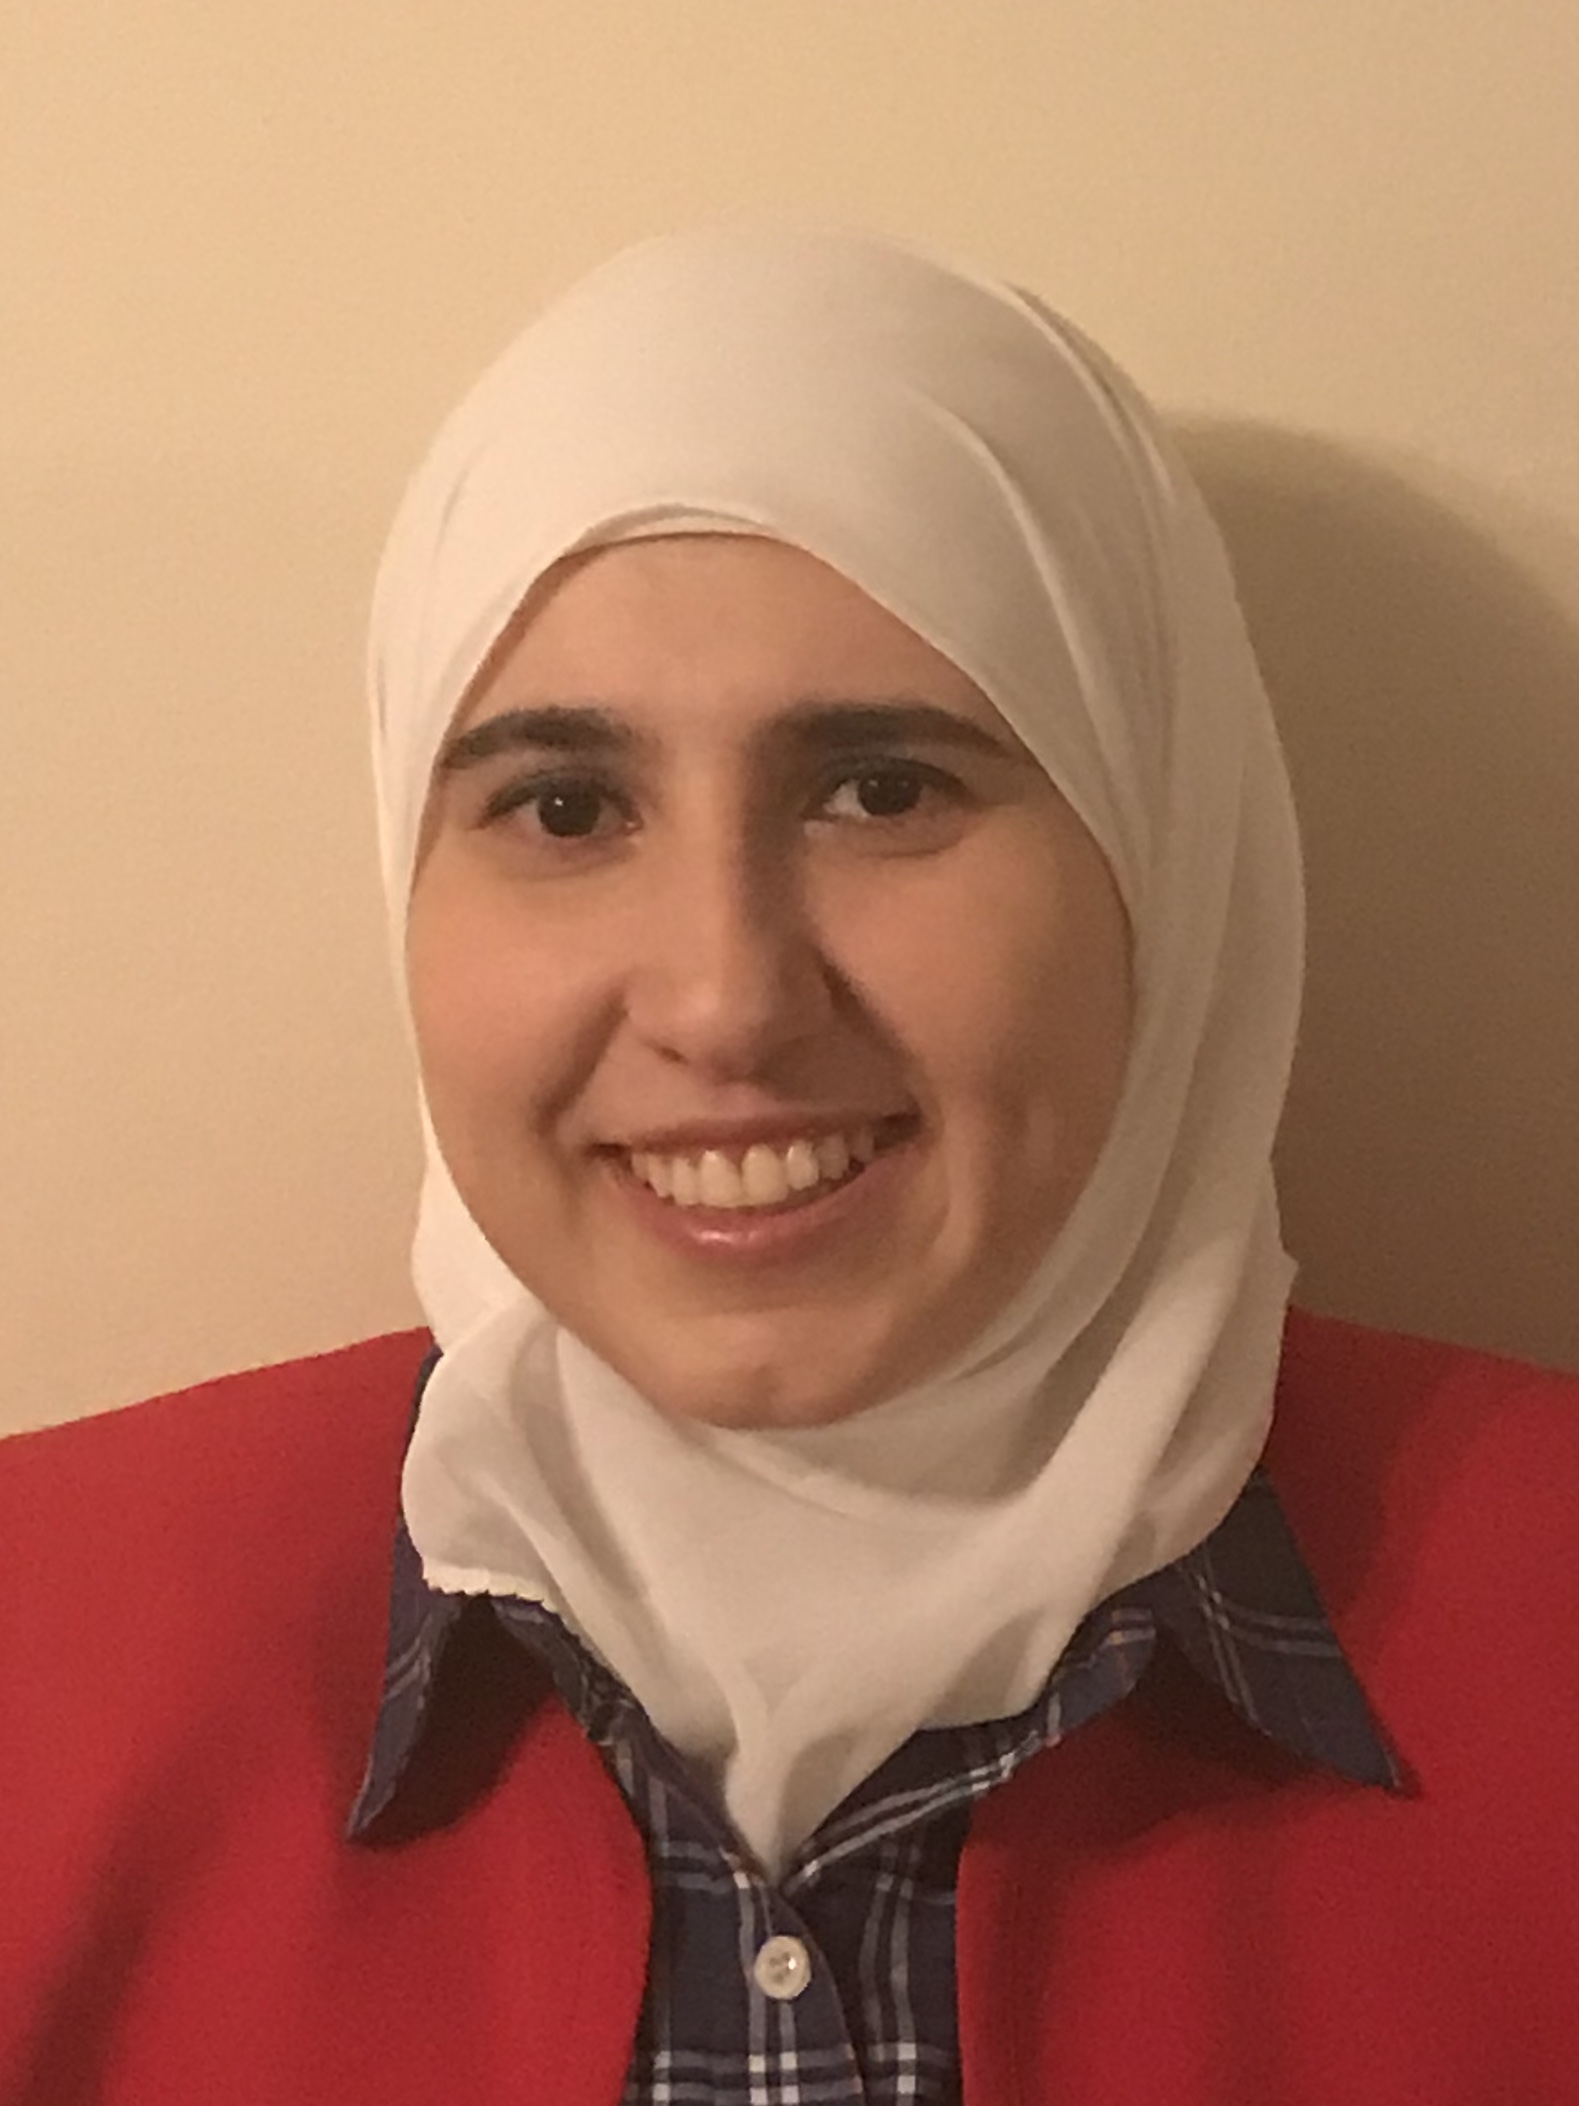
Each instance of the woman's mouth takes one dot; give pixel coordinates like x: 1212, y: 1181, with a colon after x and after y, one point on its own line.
x: 765, y: 1199
x: 767, y: 1175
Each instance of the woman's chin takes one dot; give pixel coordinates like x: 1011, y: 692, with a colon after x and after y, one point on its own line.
x: 752, y: 1389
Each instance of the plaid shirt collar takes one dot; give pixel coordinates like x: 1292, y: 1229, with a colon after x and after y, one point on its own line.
x: 1241, y: 1607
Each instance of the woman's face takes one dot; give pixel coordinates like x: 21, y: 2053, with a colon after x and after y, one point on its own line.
x: 734, y: 891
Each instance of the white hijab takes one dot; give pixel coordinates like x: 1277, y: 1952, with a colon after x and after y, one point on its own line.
x: 790, y: 1607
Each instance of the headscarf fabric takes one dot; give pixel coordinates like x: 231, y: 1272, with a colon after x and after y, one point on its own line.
x: 790, y: 1606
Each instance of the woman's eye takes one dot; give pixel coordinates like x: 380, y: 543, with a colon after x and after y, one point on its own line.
x: 563, y: 809
x: 890, y: 792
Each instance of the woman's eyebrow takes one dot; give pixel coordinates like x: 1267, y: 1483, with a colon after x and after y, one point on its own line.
x: 565, y: 727
x: 838, y: 726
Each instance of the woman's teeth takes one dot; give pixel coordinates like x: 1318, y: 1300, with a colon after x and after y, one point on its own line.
x: 763, y: 1177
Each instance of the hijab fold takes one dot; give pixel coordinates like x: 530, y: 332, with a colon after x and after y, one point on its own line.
x: 789, y: 1607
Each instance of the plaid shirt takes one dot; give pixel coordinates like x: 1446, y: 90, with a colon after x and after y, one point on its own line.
x: 835, y: 1987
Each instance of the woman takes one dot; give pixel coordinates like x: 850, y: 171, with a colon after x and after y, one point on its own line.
x: 844, y: 1642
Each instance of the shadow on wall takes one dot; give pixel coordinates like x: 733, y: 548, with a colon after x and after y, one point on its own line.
x: 1428, y: 694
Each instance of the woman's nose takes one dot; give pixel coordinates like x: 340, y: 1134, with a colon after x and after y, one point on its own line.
x: 728, y: 971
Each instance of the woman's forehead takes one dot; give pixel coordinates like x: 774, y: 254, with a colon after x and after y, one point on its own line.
x: 693, y: 630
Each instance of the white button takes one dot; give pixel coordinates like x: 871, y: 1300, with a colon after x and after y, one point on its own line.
x: 782, y: 1969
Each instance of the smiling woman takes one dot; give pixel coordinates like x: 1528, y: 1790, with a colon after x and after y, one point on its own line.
x: 722, y: 498
x: 862, y: 1517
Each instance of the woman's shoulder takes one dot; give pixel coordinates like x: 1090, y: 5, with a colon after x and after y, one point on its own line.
x: 206, y: 1474
x: 1433, y: 1488
x: 194, y: 1619
x: 1366, y: 1390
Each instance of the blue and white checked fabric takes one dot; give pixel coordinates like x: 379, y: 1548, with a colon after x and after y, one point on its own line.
x: 870, y: 1895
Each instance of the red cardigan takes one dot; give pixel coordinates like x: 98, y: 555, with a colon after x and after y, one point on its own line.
x: 1165, y: 1910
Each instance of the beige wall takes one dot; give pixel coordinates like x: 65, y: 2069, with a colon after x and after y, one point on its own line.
x: 251, y: 248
